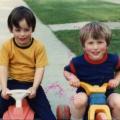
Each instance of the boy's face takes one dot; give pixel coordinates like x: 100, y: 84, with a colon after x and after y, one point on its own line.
x: 95, y: 49
x: 23, y: 33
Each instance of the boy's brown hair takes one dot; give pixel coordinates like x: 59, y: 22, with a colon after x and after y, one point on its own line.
x: 95, y: 30
x: 20, y: 13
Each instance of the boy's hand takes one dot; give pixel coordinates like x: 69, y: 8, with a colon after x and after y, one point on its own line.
x: 4, y: 93
x: 73, y: 80
x: 32, y: 91
x: 113, y: 83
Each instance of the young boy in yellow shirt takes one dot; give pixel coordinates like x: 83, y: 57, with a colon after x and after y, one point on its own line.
x: 22, y: 64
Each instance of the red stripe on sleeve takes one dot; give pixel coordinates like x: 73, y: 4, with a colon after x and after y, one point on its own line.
x: 72, y: 68
x: 118, y: 64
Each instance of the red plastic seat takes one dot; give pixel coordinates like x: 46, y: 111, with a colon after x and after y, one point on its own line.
x: 14, y: 113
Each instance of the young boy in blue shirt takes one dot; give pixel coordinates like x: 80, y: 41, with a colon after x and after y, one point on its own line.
x: 96, y: 66
x: 22, y: 64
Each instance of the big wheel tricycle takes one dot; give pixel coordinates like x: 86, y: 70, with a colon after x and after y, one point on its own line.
x: 97, y: 104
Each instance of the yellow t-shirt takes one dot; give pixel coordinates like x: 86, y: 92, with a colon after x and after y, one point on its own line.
x: 22, y: 62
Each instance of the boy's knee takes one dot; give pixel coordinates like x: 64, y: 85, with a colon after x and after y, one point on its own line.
x: 80, y: 100
x: 114, y: 100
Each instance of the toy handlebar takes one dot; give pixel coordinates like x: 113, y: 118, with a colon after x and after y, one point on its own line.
x: 93, y: 88
x: 86, y: 86
x: 18, y: 95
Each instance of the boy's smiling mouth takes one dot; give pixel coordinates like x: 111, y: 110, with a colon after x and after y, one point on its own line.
x: 22, y: 39
x: 95, y: 53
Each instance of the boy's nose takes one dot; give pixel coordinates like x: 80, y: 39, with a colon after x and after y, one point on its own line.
x: 22, y: 33
x: 95, y: 46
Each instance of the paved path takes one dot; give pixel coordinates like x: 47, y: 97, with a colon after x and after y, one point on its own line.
x: 78, y: 25
x: 113, y: 1
x: 54, y: 83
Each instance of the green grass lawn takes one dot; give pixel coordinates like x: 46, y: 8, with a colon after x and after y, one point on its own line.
x: 66, y: 11
x: 71, y: 39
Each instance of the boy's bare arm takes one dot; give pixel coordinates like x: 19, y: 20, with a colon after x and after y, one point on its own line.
x: 73, y: 80
x: 3, y: 80
x: 37, y: 81
x: 113, y: 83
x: 3, y: 76
x: 38, y: 77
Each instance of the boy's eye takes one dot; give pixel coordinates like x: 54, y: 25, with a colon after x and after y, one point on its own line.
x: 17, y: 30
x: 90, y: 43
x: 100, y: 42
x: 26, y: 30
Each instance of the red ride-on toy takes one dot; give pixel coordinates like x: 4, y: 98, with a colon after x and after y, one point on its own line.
x: 20, y: 111
x: 98, y: 109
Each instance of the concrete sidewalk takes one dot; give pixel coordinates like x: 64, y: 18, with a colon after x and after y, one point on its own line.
x: 55, y: 85
x: 78, y: 25
x: 113, y: 1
